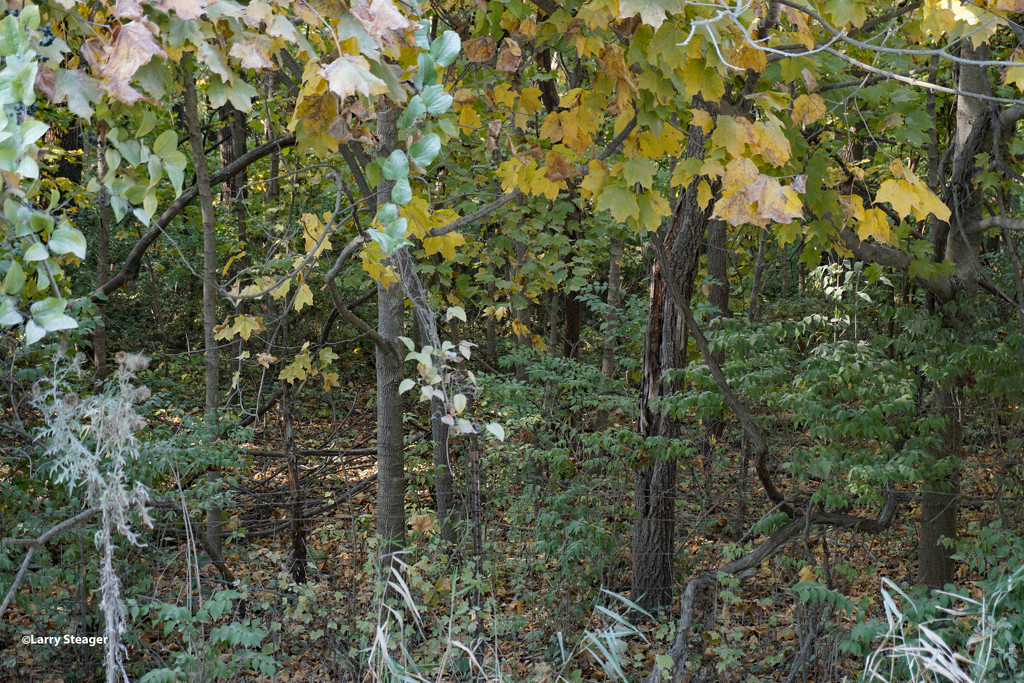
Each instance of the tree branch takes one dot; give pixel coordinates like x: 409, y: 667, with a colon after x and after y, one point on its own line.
x: 130, y: 268
x: 757, y: 440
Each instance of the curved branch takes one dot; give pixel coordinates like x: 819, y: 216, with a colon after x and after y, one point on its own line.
x: 753, y: 559
x: 751, y: 429
x: 130, y: 268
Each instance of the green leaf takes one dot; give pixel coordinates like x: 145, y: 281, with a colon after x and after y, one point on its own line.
x: 37, y: 252
x: 426, y: 72
x: 166, y: 143
x: 67, y: 240
x: 401, y: 193
x: 411, y: 113
x: 436, y: 99
x: 459, y: 403
x: 387, y: 214
x: 406, y: 385
x: 445, y: 48
x: 9, y: 315
x: 33, y: 333
x: 497, y: 430
x: 396, y: 167
x: 639, y: 169
x: 424, y: 150
x: 620, y: 201
x: 14, y: 281
x: 387, y: 243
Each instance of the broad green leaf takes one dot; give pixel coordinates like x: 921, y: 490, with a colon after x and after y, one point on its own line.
x: 411, y: 113
x: 36, y: 252
x: 9, y: 315
x: 67, y: 240
x: 401, y: 193
x: 497, y: 430
x: 406, y: 385
x: 445, y: 48
x: 14, y: 281
x: 424, y: 150
x: 165, y: 143
x: 436, y: 99
x: 396, y: 166
x: 33, y: 333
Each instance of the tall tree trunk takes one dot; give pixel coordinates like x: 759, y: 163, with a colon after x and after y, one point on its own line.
x: 755, y: 283
x: 664, y: 349
x: 614, y: 301
x: 214, y: 518
x: 956, y: 241
x: 718, y: 272
x: 99, y: 338
x: 390, y: 323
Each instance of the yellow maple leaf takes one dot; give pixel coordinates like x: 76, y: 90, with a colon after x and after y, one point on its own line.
x: 874, y: 224
x: 899, y: 194
x: 468, y: 118
x: 808, y: 109
x: 772, y: 143
x: 704, y: 194
x: 371, y: 257
x: 445, y: 244
x: 330, y: 380
x: 734, y: 208
x: 749, y: 57
x: 702, y: 120
x: 303, y: 297
x: 312, y: 230
x: 734, y: 134
x: 807, y: 573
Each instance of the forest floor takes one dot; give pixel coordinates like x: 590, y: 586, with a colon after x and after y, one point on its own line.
x: 537, y: 594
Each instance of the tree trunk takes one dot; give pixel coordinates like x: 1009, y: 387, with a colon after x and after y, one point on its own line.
x: 614, y: 301
x: 664, y: 349
x: 718, y: 272
x: 940, y: 500
x: 214, y: 518
x: 390, y: 323
x: 99, y: 337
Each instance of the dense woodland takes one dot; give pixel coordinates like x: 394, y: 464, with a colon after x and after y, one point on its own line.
x: 511, y: 341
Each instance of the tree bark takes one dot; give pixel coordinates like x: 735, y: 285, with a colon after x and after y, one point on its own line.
x: 390, y: 324
x: 99, y: 338
x: 614, y: 301
x: 214, y: 518
x: 664, y: 349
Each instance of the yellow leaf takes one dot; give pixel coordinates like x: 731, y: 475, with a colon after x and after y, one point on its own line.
x: 703, y: 120
x: 807, y: 573
x: 503, y: 95
x: 772, y: 143
x: 330, y: 380
x: 518, y: 328
x: 445, y: 244
x: 312, y: 230
x: 529, y: 100
x: 303, y: 297
x: 371, y: 257
x: 265, y: 359
x: 808, y: 109
x: 734, y: 135
x: 749, y: 57
x: 899, y: 194
x: 734, y: 208
x: 468, y: 118
x: 875, y: 224
x: 595, y: 179
x: 551, y: 129
x: 704, y: 194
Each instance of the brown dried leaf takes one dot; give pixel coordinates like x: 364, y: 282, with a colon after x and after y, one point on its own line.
x: 511, y: 56
x: 44, y: 83
x: 128, y: 9
x: 116, y: 63
x: 559, y: 167
x: 479, y: 49
x: 493, y: 131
